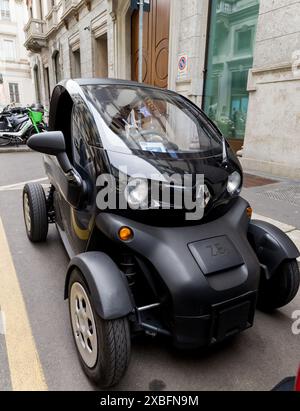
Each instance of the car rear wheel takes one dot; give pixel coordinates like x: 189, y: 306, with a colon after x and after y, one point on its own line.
x: 103, y: 346
x: 281, y: 289
x: 35, y: 212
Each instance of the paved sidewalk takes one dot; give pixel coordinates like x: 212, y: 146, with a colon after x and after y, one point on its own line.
x: 275, y: 200
x: 279, y: 199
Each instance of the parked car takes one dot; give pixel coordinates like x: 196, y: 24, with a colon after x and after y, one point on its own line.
x: 147, y: 267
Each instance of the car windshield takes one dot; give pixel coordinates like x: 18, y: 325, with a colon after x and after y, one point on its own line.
x: 146, y: 120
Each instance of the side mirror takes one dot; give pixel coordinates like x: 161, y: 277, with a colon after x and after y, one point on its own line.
x: 53, y: 144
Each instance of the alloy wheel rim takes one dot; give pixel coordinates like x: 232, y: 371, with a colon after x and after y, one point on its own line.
x: 83, y: 325
x: 27, y: 212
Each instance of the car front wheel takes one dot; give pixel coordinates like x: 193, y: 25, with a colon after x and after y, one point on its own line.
x: 103, y: 346
x: 281, y: 289
x: 35, y: 212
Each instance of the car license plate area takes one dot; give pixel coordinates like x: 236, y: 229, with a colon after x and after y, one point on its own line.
x: 230, y: 319
x: 215, y: 254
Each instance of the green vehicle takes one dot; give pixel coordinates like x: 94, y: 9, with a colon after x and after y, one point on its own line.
x: 17, y: 125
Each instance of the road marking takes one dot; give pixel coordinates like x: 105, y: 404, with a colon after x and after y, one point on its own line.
x: 2, y: 323
x: 19, y: 186
x: 25, y: 368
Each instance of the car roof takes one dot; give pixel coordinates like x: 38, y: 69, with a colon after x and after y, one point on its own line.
x: 111, y: 82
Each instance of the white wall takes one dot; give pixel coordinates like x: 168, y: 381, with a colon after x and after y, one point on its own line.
x: 17, y: 70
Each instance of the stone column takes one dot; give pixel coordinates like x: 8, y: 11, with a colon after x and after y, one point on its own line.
x: 188, y: 35
x: 272, y: 142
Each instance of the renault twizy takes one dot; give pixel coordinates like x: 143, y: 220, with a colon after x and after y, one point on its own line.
x: 143, y: 263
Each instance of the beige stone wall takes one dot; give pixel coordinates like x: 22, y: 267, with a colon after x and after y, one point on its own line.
x: 272, y: 141
x: 188, y: 32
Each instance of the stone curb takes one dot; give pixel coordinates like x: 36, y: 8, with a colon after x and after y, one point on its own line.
x: 21, y: 149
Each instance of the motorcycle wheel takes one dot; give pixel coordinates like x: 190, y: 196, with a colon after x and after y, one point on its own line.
x: 5, y: 141
x: 31, y: 131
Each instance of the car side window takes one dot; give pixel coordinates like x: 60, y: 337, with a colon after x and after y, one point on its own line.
x: 79, y: 139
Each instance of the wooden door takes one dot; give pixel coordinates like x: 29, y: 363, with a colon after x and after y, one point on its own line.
x: 155, y: 44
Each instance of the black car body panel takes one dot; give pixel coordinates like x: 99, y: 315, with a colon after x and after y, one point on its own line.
x: 195, y: 298
x: 99, y: 269
x: 204, y: 276
x: 271, y: 245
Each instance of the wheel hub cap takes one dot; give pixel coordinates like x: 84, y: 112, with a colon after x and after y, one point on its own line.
x: 83, y: 325
x: 27, y: 212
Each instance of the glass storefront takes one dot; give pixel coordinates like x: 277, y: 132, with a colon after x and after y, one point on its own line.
x: 230, y: 56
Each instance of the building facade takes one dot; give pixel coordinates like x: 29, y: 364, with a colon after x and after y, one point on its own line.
x: 16, y: 85
x: 237, y: 59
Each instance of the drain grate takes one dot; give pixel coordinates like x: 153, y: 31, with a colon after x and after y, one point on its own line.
x: 250, y: 181
x: 289, y: 193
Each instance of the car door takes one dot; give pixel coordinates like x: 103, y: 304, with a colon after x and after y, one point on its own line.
x: 80, y: 221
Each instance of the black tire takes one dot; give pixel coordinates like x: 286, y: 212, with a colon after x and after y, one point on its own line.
x: 37, y: 227
x: 281, y: 289
x: 5, y: 141
x: 31, y: 131
x: 113, y: 344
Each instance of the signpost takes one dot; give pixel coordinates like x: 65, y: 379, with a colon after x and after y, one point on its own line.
x: 141, y: 28
x: 182, y: 70
x: 142, y: 6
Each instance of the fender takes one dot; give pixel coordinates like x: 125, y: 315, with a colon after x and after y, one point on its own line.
x: 271, y: 245
x: 107, y: 284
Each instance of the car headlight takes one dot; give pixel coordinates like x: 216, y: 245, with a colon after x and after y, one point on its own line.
x: 234, y: 183
x: 136, y: 193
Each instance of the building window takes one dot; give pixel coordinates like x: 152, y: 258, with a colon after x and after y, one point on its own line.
x: 230, y: 56
x: 47, y: 83
x: 75, y: 64
x: 14, y: 92
x: 9, y: 49
x: 57, y: 68
x: 4, y: 10
x: 100, y: 57
x: 36, y: 77
x: 244, y: 40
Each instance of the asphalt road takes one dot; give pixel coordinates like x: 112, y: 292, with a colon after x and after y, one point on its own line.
x: 255, y: 360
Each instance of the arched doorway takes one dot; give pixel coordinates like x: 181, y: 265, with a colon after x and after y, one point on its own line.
x: 155, y: 44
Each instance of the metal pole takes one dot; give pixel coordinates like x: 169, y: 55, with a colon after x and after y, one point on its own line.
x: 141, y: 28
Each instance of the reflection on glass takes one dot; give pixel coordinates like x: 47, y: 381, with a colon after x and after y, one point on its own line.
x: 150, y: 121
x: 232, y: 37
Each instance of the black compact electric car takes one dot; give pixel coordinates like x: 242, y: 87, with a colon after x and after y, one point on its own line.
x: 152, y: 265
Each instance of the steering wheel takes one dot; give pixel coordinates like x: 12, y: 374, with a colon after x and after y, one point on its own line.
x: 160, y: 138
